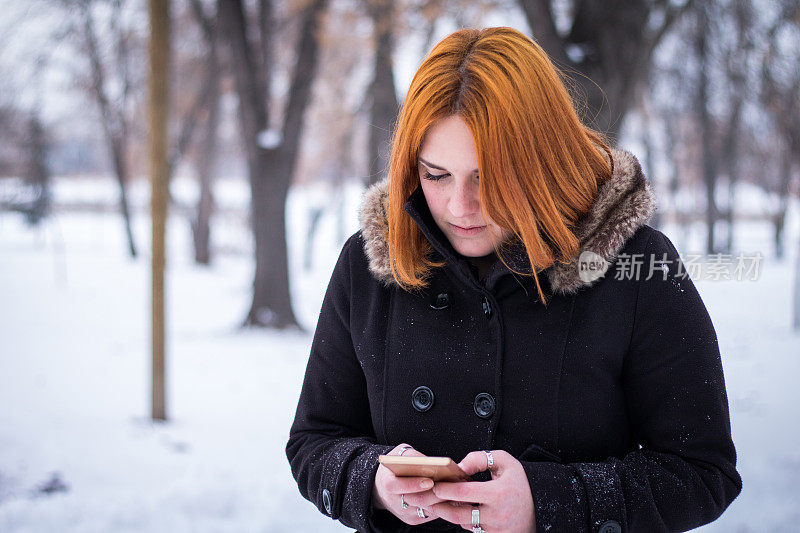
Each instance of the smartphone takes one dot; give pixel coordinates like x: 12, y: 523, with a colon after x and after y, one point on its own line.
x: 436, y: 468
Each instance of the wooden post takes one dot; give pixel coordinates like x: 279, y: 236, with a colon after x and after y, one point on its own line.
x: 159, y: 170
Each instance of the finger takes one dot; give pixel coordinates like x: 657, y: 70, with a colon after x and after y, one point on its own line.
x: 465, y: 491
x: 423, y: 499
x: 415, y: 519
x: 455, y: 514
x: 474, y: 462
x: 407, y: 485
x: 411, y: 452
x: 407, y: 450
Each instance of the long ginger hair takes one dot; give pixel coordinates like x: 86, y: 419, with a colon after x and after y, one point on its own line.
x: 540, y: 167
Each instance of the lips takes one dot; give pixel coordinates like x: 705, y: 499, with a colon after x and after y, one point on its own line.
x: 467, y: 231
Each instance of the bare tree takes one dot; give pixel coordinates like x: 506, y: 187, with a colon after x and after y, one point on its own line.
x: 609, y: 43
x: 37, y: 173
x: 11, y: 134
x: 107, y: 35
x: 649, y: 147
x: 23, y: 151
x: 382, y: 95
x: 203, y: 111
x: 738, y: 50
x: 271, y: 154
x: 24, y: 136
x: 390, y: 19
x: 780, y: 95
x: 710, y: 161
x: 702, y: 83
x: 114, y: 110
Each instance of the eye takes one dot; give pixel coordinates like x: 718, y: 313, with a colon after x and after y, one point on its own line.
x: 434, y: 177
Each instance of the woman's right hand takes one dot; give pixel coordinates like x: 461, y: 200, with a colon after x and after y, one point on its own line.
x: 388, y: 488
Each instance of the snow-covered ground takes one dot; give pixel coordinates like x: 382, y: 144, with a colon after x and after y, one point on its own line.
x: 78, y: 452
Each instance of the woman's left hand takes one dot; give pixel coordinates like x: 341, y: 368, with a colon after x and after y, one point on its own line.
x: 506, y: 503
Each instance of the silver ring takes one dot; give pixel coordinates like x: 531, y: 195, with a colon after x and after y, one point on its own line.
x: 476, y: 517
x: 403, y: 501
x: 421, y: 512
x: 489, y: 458
x: 477, y: 529
x: 404, y: 449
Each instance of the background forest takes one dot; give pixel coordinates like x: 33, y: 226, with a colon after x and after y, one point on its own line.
x: 280, y: 114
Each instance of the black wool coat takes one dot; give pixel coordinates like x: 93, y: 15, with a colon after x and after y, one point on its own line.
x: 612, y: 396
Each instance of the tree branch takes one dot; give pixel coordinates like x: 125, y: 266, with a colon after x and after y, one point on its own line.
x: 304, y: 72
x: 671, y: 15
x: 97, y: 72
x: 540, y: 19
x: 265, y: 24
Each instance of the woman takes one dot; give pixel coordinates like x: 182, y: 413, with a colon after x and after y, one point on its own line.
x: 505, y: 304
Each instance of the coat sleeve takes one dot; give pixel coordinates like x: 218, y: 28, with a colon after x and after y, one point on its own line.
x: 684, y: 473
x: 332, y: 448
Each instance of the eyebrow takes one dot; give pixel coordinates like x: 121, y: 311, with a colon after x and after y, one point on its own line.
x: 437, y: 167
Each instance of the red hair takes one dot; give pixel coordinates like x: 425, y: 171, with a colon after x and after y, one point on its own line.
x: 540, y: 167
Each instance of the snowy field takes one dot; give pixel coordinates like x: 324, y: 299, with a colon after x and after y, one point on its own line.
x: 78, y: 452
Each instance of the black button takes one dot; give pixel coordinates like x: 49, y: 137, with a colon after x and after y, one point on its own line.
x: 442, y: 301
x: 422, y: 398
x: 487, y: 308
x: 326, y: 500
x: 610, y: 526
x: 484, y: 405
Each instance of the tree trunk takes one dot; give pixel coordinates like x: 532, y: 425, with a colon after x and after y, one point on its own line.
x: 121, y: 172
x: 385, y: 106
x: 313, y: 223
x: 736, y: 60
x: 709, y: 155
x: 270, y: 168
x: 783, y: 201
x: 201, y: 226
x: 730, y: 156
x: 796, y: 319
x: 649, y: 159
x: 271, y: 305
x: 37, y: 172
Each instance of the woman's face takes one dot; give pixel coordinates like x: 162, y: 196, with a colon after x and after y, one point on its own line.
x: 448, y: 171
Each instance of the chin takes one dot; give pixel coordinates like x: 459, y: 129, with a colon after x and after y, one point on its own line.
x: 468, y: 249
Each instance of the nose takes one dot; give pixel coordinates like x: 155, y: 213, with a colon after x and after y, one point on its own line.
x: 465, y: 201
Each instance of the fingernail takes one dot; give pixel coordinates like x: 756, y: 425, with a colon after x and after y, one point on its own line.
x: 426, y: 483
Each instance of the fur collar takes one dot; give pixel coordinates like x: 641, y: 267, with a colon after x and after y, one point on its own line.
x: 623, y: 204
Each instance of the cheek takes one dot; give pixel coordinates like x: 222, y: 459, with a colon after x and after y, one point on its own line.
x: 439, y: 208
x: 437, y: 202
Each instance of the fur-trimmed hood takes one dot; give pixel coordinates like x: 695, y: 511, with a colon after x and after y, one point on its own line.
x: 623, y: 204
